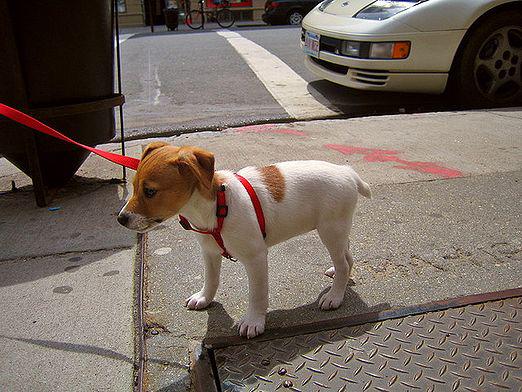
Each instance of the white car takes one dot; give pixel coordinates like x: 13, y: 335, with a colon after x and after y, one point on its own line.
x: 421, y: 46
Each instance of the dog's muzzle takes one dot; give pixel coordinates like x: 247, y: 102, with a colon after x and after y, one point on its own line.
x: 137, y: 222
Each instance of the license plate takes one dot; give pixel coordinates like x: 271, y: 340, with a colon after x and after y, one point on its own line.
x: 311, y: 44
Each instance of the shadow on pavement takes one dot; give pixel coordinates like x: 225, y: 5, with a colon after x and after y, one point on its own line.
x: 84, y: 349
x: 220, y: 323
x: 74, y: 347
x: 304, y: 338
x: 352, y: 102
x: 80, y: 218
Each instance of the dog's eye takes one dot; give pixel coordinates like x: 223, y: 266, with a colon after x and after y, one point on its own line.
x: 149, y: 192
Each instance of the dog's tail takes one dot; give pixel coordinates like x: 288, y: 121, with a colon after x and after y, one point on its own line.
x: 362, y: 187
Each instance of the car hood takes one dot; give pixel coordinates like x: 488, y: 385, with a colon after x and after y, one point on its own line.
x: 347, y: 7
x: 340, y: 26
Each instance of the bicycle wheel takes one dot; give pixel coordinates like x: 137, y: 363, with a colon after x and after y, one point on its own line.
x: 194, y: 19
x: 225, y: 18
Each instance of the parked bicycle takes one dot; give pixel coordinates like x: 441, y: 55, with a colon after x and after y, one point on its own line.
x: 224, y: 17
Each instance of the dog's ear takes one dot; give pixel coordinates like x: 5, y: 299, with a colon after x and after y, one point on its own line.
x: 199, y: 163
x: 152, y: 146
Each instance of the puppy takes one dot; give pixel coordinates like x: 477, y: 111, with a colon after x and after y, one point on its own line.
x: 296, y: 197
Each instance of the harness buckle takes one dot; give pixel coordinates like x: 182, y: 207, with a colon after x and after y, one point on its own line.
x: 229, y: 257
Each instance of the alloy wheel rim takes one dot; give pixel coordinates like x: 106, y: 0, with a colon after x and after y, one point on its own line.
x: 296, y: 18
x: 498, y: 64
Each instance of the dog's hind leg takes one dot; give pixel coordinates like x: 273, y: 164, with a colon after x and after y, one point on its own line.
x: 349, y: 259
x: 330, y: 272
x: 334, y: 236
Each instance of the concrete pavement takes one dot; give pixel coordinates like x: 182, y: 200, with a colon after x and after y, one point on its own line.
x: 66, y: 283
x: 444, y: 221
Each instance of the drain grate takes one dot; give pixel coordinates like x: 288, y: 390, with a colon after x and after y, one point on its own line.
x: 468, y: 348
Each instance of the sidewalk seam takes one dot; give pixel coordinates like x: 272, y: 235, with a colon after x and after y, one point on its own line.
x: 467, y: 176
x: 139, y: 334
x: 32, y: 257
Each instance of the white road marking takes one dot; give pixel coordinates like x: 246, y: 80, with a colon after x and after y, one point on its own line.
x: 289, y: 89
x: 157, y: 89
x: 125, y: 37
x: 152, y: 82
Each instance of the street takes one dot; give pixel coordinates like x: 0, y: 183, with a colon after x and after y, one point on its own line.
x: 185, y: 81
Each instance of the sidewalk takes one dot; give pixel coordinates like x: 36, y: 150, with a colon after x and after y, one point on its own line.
x: 444, y: 222
x: 66, y: 284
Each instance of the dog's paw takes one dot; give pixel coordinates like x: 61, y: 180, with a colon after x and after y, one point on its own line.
x: 251, y: 325
x: 330, y: 272
x: 197, y: 301
x: 331, y: 300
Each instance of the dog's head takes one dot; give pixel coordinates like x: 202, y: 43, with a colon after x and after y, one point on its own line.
x: 165, y: 180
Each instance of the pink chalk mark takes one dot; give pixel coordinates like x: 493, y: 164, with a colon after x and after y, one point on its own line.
x: 377, y: 155
x: 268, y: 128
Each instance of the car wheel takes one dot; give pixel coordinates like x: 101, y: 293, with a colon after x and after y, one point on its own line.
x: 295, y: 18
x: 489, y: 71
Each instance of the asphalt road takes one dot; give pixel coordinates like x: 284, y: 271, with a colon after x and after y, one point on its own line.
x: 183, y: 81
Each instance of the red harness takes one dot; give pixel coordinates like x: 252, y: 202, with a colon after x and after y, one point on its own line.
x: 222, y: 212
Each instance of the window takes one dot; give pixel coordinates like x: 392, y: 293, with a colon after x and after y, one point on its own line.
x: 122, y: 7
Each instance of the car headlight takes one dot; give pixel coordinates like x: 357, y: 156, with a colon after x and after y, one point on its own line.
x: 389, y: 50
x: 321, y: 7
x: 384, y: 9
x: 375, y: 50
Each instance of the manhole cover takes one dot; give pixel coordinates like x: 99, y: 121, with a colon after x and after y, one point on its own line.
x: 465, y: 348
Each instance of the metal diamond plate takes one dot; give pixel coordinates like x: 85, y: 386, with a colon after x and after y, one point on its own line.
x: 471, y: 348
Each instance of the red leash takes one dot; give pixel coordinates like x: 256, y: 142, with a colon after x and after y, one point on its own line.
x: 132, y: 163
x: 28, y: 121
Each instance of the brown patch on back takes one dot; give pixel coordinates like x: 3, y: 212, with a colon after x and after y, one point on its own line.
x: 274, y: 181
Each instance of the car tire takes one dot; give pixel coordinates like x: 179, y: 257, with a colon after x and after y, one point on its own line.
x: 294, y: 18
x: 489, y: 69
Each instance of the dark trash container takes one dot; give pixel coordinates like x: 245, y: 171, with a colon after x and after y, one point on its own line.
x: 57, y: 64
x: 171, y: 18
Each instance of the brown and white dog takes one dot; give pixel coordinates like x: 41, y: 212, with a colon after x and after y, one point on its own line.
x: 296, y: 197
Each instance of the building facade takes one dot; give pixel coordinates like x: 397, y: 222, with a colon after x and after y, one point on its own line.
x: 145, y: 12
x: 131, y: 13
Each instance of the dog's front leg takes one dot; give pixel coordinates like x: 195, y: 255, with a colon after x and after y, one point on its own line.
x: 204, y: 297
x: 253, y: 322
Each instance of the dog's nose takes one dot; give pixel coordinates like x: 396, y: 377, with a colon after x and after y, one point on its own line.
x: 123, y: 218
